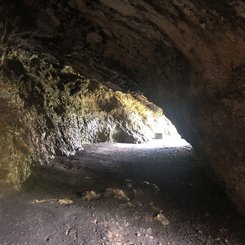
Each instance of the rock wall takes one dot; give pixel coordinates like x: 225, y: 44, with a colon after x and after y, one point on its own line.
x: 186, y: 55
x: 48, y: 111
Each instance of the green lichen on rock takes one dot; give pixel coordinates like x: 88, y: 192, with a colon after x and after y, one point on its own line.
x: 15, y: 159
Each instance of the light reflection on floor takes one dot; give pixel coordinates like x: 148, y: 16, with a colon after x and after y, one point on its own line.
x: 169, y: 142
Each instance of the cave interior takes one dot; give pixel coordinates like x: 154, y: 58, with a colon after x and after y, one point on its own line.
x: 122, y: 122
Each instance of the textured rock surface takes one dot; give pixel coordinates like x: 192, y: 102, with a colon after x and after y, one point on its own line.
x: 186, y: 55
x: 47, y: 111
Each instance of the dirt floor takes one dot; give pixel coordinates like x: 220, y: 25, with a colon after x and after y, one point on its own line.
x: 120, y: 194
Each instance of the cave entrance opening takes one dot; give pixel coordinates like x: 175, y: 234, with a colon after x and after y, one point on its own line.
x: 160, y: 133
x: 166, y: 134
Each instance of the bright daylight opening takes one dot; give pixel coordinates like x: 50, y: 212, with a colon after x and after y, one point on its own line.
x: 143, y: 122
x: 161, y: 133
x: 165, y: 133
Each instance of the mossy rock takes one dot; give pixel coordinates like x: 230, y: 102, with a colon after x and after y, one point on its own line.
x: 15, y: 159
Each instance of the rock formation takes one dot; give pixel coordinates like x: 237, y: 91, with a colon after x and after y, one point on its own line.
x: 187, y: 56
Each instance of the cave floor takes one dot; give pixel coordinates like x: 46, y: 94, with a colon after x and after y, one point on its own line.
x: 120, y: 194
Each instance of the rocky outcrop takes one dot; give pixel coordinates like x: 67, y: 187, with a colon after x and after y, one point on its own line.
x: 48, y: 111
x: 187, y: 56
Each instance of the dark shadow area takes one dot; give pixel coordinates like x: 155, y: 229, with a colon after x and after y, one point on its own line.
x: 121, y: 194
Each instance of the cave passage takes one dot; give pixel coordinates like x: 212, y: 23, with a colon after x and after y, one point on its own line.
x: 114, y: 193
x: 79, y: 79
